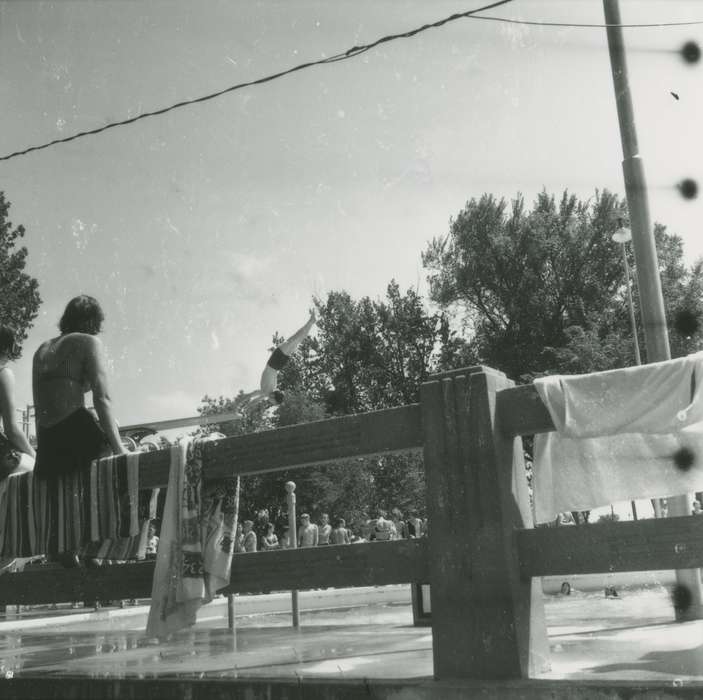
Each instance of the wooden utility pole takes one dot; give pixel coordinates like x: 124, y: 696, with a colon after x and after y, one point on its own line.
x: 656, y: 336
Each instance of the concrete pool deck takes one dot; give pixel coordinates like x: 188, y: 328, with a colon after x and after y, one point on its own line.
x: 347, y: 636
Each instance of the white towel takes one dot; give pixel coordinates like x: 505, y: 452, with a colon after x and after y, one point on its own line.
x: 616, y: 436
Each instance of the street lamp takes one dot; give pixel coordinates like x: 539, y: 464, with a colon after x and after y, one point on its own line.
x: 622, y: 236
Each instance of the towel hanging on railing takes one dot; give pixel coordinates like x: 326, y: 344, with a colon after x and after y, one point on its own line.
x: 194, y: 557
x: 620, y: 435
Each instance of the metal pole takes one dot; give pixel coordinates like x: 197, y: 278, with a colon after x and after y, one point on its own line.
x: 293, y: 543
x: 631, y: 306
x: 652, y: 302
x: 633, y: 324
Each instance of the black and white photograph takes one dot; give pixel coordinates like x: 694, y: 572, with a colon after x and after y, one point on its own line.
x: 351, y: 349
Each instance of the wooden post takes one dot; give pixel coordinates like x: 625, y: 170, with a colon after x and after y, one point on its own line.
x: 230, y: 612
x: 487, y: 623
x: 293, y: 544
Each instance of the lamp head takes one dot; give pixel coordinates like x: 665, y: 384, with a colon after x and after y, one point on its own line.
x: 623, y: 234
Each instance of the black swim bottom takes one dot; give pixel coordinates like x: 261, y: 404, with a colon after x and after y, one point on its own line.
x: 278, y: 359
x: 70, y: 445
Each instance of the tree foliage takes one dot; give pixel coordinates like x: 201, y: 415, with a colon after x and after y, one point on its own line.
x: 369, y: 354
x: 544, y: 289
x: 19, y: 292
x: 366, y: 355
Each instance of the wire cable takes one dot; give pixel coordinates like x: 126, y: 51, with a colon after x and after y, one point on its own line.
x: 536, y: 23
x: 350, y: 53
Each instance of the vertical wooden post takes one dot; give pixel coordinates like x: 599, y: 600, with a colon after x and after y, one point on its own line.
x: 230, y: 612
x: 486, y: 622
x: 293, y: 543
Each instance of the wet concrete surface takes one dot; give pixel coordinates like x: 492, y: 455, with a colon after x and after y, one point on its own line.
x: 368, y: 634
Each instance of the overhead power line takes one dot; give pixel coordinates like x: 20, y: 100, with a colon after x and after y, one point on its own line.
x: 349, y: 53
x: 536, y: 23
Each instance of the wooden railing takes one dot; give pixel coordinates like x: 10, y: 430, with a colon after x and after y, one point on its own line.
x: 483, y: 558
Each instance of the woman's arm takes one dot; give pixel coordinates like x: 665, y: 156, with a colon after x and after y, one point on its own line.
x: 97, y: 374
x: 7, y: 410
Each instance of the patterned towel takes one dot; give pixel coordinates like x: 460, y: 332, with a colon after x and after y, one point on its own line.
x: 94, y: 513
x: 194, y: 558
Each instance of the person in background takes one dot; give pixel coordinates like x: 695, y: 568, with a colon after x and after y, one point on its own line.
x: 565, y: 518
x: 339, y: 534
x: 152, y: 542
x: 285, y: 538
x: 697, y: 510
x: 383, y: 529
x: 324, y: 529
x: 401, y: 528
x: 15, y: 448
x: 238, y: 547
x: 269, y: 540
x: 261, y: 526
x: 249, y: 541
x: 414, y: 526
x: 308, y: 533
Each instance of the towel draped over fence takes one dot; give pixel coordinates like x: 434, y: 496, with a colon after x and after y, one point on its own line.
x: 196, y: 543
x: 620, y: 435
x: 94, y: 512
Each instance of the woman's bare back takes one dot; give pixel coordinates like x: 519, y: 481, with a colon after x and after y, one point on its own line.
x: 62, y: 373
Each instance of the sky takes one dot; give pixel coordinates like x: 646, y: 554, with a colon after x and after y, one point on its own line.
x: 204, y: 231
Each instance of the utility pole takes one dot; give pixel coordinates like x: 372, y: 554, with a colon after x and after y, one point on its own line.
x: 652, y: 302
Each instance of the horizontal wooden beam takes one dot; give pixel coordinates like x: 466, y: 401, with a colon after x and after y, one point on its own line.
x: 370, y: 564
x: 520, y: 411
x: 642, y: 545
x: 377, y: 432
x: 52, y: 584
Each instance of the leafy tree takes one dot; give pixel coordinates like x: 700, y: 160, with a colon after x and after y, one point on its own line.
x: 544, y: 290
x: 19, y: 296
x: 369, y: 354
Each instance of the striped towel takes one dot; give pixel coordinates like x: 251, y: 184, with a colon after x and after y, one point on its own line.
x: 17, y: 527
x: 94, y: 512
x: 194, y: 558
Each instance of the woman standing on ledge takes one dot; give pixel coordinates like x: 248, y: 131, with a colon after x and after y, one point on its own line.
x: 13, y: 441
x: 68, y: 436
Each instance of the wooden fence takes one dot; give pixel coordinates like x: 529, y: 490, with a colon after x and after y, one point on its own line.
x: 483, y: 558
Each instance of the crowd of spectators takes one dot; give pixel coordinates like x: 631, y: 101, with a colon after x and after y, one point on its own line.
x: 261, y: 534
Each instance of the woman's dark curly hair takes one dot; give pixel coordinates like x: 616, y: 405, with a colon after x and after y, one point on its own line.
x: 8, y: 342
x: 82, y: 315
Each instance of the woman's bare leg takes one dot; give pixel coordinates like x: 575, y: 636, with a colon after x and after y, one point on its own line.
x: 291, y: 345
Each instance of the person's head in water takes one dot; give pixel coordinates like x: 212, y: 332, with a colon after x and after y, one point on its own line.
x: 9, y: 347
x: 82, y: 315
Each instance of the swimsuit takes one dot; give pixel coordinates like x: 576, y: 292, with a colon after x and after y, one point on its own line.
x: 278, y: 359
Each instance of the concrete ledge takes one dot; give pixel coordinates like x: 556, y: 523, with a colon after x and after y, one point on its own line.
x: 66, y: 688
